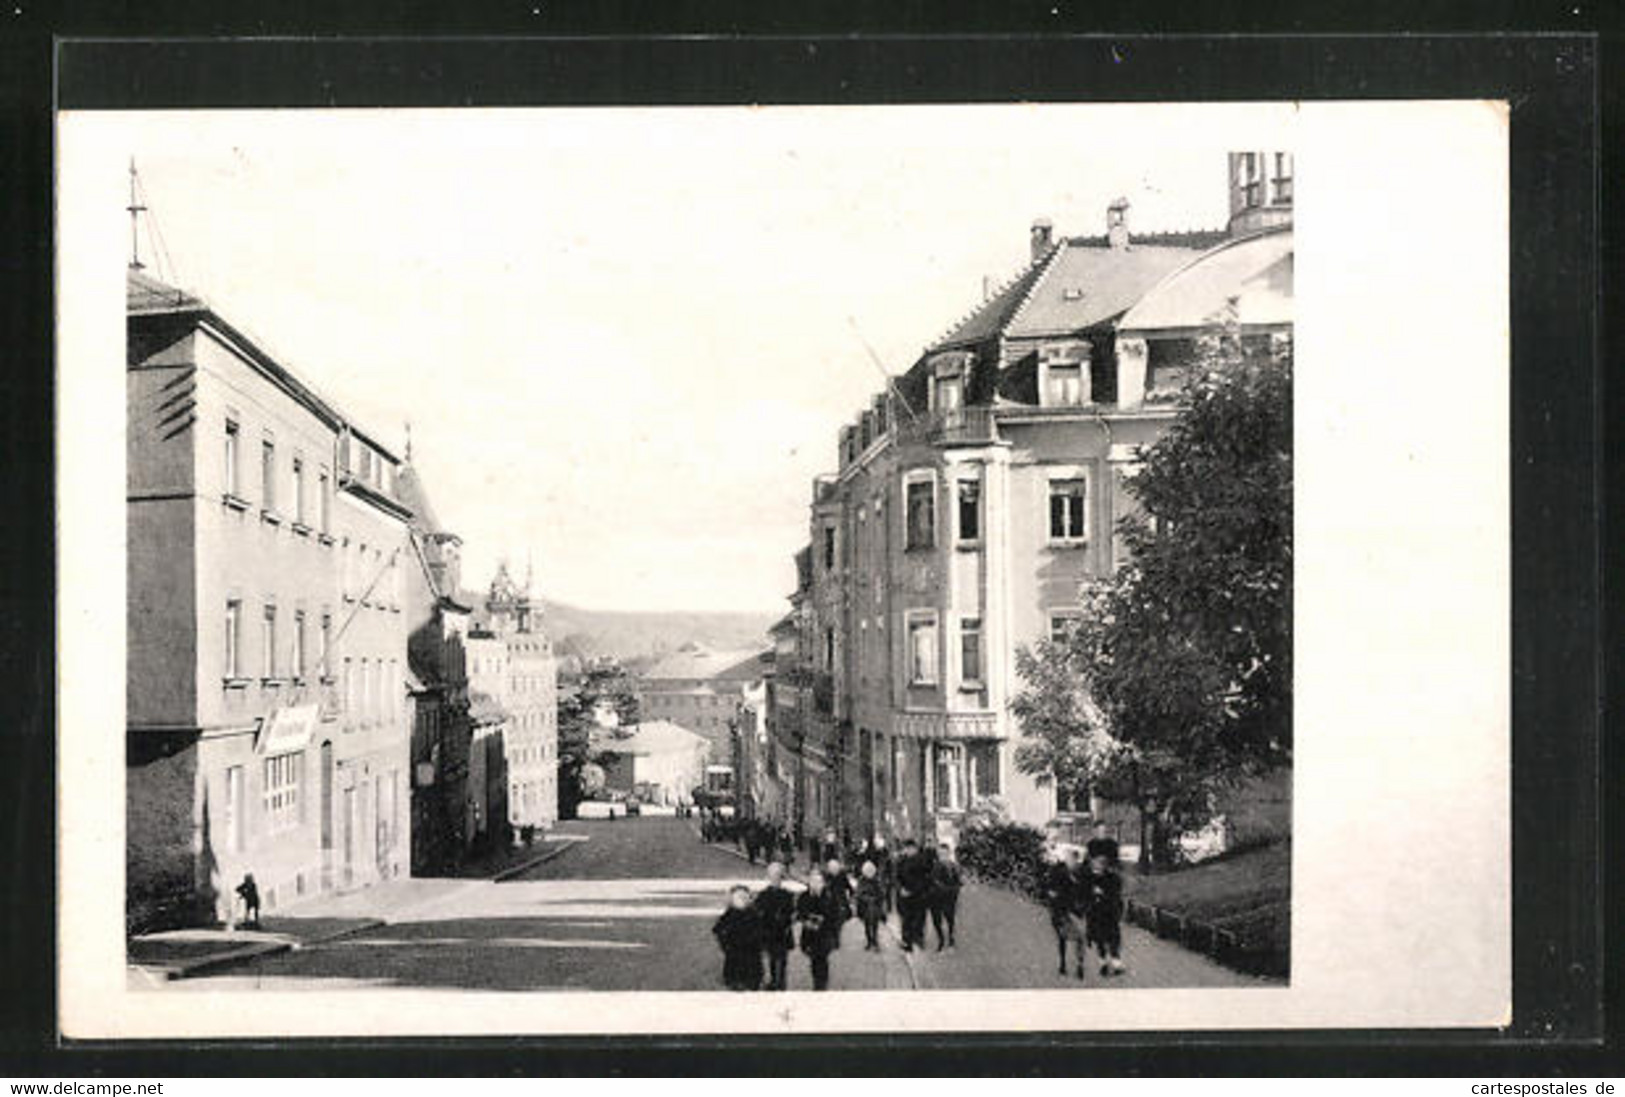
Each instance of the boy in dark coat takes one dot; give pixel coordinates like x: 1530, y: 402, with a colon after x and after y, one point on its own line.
x: 1063, y: 894
x: 944, y: 899
x: 871, y: 902
x: 776, y: 909
x: 839, y: 885
x: 913, y: 893
x: 820, y: 926
x: 1103, y: 912
x: 739, y: 932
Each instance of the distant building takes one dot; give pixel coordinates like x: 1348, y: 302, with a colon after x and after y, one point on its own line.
x: 487, y: 806
x: 529, y: 695
x: 267, y: 657
x: 978, y: 496
x: 658, y: 762
x: 701, y: 689
x: 442, y: 729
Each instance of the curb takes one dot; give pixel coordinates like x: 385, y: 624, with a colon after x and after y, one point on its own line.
x: 525, y: 866
x: 204, y: 964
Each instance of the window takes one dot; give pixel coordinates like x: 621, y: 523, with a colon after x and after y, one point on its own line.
x: 323, y: 502
x: 299, y: 643
x: 1063, y: 384
x: 268, y: 634
x: 950, y: 394
x: 970, y: 509
x: 234, y: 809
x: 282, y: 772
x: 898, y: 761
x: 983, y: 761
x: 1066, y: 513
x: 1252, y: 183
x: 1282, y: 178
x: 299, y: 490
x: 325, y: 652
x: 948, y: 776
x: 829, y: 649
x: 829, y: 548
x: 232, y: 485
x: 922, y: 649
x: 234, y: 637
x: 349, y: 688
x: 268, y: 474
x: 1061, y: 622
x: 922, y: 514
x: 970, y: 651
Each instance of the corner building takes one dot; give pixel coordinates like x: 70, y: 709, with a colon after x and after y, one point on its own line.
x: 266, y: 729
x: 979, y: 495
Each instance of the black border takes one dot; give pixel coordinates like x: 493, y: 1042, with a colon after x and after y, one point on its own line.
x: 1558, y: 415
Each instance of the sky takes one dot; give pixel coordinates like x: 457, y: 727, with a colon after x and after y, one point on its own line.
x: 626, y: 339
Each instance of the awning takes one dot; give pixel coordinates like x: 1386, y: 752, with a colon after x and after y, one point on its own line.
x: 286, y: 730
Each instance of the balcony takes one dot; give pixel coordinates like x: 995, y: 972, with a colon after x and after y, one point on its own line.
x: 964, y: 426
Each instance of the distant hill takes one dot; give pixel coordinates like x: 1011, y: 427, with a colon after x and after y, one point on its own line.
x: 638, y: 638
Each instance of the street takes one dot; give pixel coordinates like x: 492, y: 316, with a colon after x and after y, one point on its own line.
x: 630, y: 907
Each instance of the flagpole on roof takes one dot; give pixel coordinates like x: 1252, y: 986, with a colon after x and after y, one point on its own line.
x: 875, y: 358
x: 135, y: 208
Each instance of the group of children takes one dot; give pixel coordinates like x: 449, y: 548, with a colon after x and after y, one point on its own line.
x: 1085, y: 903
x: 765, y: 924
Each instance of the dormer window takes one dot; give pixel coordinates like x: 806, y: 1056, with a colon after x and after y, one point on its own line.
x: 950, y: 394
x: 1063, y: 372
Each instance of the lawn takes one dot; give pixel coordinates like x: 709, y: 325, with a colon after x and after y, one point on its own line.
x: 1248, y: 894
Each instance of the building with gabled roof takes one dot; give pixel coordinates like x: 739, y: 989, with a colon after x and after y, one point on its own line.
x: 267, y: 663
x: 978, y: 495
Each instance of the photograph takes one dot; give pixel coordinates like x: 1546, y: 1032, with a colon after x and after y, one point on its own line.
x: 550, y: 566
x: 780, y: 569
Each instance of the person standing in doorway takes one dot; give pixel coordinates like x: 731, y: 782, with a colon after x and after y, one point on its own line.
x: 776, y: 910
x: 944, y: 898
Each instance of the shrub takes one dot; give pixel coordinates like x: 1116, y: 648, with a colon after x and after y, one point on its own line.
x: 1010, y: 854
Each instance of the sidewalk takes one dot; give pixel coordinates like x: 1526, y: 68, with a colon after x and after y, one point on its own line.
x: 1004, y: 940
x: 850, y: 967
x: 318, y: 920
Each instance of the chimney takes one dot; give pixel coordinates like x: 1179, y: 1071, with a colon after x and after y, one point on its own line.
x: 1117, y: 223
x: 1042, y: 230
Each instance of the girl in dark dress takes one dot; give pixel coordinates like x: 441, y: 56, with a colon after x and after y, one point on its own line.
x: 820, y: 918
x: 871, y: 898
x: 739, y: 932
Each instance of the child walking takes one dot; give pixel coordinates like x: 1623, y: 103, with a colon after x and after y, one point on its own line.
x: 871, y: 903
x: 739, y: 932
x: 1104, y: 913
x: 1063, y: 895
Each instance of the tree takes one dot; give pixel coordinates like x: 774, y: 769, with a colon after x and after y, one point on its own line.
x: 1178, y: 679
x: 602, y: 683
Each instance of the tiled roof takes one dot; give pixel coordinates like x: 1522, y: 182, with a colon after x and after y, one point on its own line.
x: 652, y: 737
x: 1090, y: 283
x: 1255, y: 270
x: 993, y: 314
x: 694, y: 661
x: 409, y: 489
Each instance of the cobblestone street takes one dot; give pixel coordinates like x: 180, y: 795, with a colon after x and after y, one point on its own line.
x: 629, y: 906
